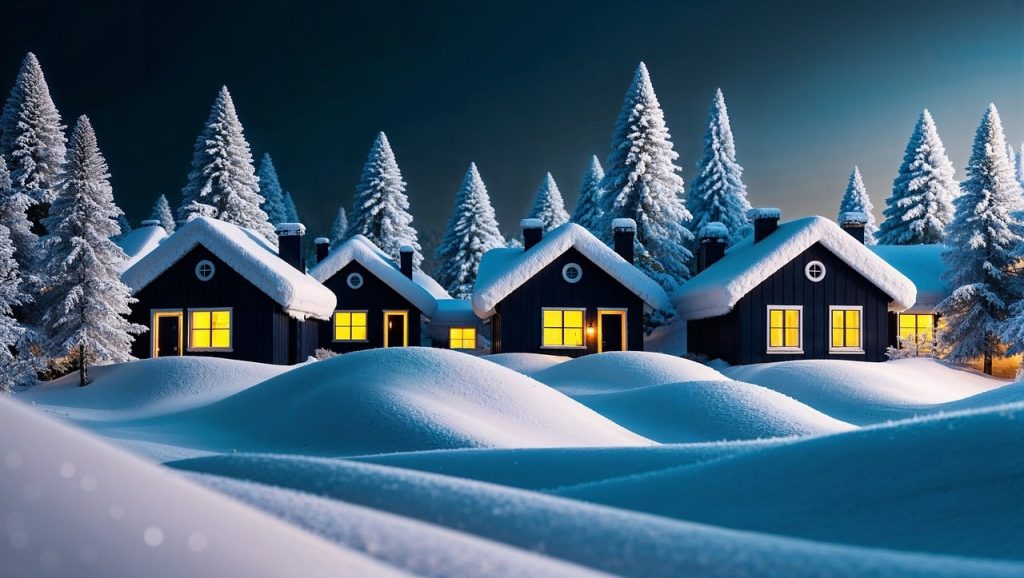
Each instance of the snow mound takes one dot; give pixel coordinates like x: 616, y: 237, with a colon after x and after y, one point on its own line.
x: 622, y: 370
x: 950, y: 485
x: 1013, y: 393
x: 388, y: 400
x: 526, y: 363
x: 695, y: 411
x: 75, y: 506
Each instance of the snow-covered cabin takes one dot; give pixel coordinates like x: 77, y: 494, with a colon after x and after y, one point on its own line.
x: 805, y: 289
x: 566, y: 293
x: 137, y: 243
x: 213, y: 288
x: 923, y: 265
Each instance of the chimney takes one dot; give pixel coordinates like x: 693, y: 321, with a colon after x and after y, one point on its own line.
x: 405, y: 253
x: 853, y: 222
x: 623, y: 233
x: 714, y: 238
x: 533, y: 232
x: 323, y: 247
x: 289, y: 243
x: 765, y: 222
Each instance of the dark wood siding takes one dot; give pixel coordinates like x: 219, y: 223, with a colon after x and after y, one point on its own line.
x: 517, y: 325
x: 375, y: 296
x: 741, y: 336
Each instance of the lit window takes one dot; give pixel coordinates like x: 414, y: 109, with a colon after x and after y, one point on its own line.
x: 563, y: 328
x: 846, y: 329
x: 209, y: 328
x: 784, y: 328
x: 350, y: 326
x: 918, y: 328
x: 462, y: 338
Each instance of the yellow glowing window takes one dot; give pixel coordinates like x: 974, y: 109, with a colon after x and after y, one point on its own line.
x: 563, y: 328
x: 846, y: 328
x: 917, y: 327
x: 462, y: 338
x: 210, y: 329
x: 784, y: 327
x: 350, y: 326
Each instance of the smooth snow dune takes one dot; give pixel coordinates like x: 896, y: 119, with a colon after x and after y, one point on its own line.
x: 73, y: 505
x: 1012, y: 393
x: 526, y: 363
x: 621, y: 370
x: 151, y: 386
x: 697, y: 411
x: 951, y: 484
x: 388, y: 400
x: 607, y: 539
x: 864, y: 393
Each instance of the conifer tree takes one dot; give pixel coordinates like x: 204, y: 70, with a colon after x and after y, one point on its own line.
x: 222, y: 183
x: 380, y: 209
x: 1020, y: 166
x: 16, y: 370
x: 291, y: 212
x: 14, y: 206
x: 548, y: 205
x: 124, y: 226
x: 979, y: 257
x: 162, y: 213
x: 856, y: 200
x: 642, y: 183
x: 270, y: 189
x: 339, y: 228
x: 590, y: 200
x: 472, y: 231
x: 921, y: 204
x: 85, y: 301
x: 717, y: 193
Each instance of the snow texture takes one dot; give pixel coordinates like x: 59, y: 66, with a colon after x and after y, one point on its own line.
x: 528, y: 364
x: 853, y: 218
x: 502, y: 271
x: 617, y: 371
x: 162, y: 214
x: 770, y: 213
x: 747, y: 264
x: 857, y: 200
x: 14, y: 206
x: 339, y: 228
x: 472, y: 231
x: 923, y: 265
x: 623, y: 224
x: 548, y: 205
x: 249, y: 254
x: 15, y: 370
x: 714, y: 230
x: 590, y: 200
x: 140, y: 242
x: 270, y: 190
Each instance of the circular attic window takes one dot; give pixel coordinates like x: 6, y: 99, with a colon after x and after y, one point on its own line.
x: 815, y: 271
x: 354, y: 280
x: 572, y: 273
x: 205, y: 270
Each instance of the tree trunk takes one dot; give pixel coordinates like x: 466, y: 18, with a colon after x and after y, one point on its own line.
x: 83, y: 371
x: 988, y: 363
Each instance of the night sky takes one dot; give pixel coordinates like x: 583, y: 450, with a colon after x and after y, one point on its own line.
x: 812, y: 88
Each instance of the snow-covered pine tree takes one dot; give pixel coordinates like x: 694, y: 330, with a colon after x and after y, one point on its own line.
x: 15, y: 370
x: 856, y: 200
x: 590, y: 202
x: 124, y: 226
x: 380, y: 208
x: 162, y: 213
x: 472, y: 231
x: 979, y: 256
x: 32, y: 138
x: 270, y: 189
x: 291, y: 212
x: 548, y: 205
x: 921, y: 204
x: 14, y: 207
x: 339, y: 228
x: 222, y: 183
x: 1020, y: 166
x: 642, y: 183
x: 85, y: 301
x: 717, y: 193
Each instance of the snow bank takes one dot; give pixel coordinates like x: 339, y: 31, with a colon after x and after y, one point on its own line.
x: 75, y: 506
x: 623, y: 370
x: 526, y: 363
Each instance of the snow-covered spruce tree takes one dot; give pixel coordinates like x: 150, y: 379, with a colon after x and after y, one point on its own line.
x: 548, y: 205
x: 14, y: 207
x: 15, y: 370
x: 1020, y: 166
x: 472, y: 231
x: 270, y: 189
x: 642, y: 183
x: 979, y: 256
x: 32, y: 138
x: 380, y: 209
x: 85, y: 302
x: 339, y: 228
x: 717, y: 193
x: 222, y: 183
x: 162, y: 212
x: 856, y: 200
x: 291, y: 212
x: 921, y: 204
x: 124, y: 226
x: 590, y: 202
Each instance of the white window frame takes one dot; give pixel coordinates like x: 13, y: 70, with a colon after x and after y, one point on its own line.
x: 334, y: 326
x: 768, y: 330
x: 584, y: 328
x: 352, y: 276
x: 213, y: 270
x: 231, y: 328
x: 811, y: 278
x: 569, y: 266
x: 846, y: 350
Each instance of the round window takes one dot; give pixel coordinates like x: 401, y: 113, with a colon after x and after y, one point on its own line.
x: 815, y: 271
x: 354, y: 280
x: 572, y: 273
x: 205, y: 270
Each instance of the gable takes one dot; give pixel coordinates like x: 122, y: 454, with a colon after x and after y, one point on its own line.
x: 178, y: 286
x: 595, y: 287
x: 374, y: 293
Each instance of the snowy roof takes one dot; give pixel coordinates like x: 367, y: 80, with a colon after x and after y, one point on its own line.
x: 137, y: 243
x: 246, y: 252
x: 747, y: 264
x: 924, y: 266
x: 502, y: 271
x: 422, y: 291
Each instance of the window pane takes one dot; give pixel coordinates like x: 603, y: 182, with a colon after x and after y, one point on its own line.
x: 792, y: 318
x: 775, y: 318
x: 200, y: 338
x: 907, y: 321
x: 342, y: 318
x: 469, y: 334
x: 775, y: 338
x: 359, y: 318
x: 552, y: 336
x: 359, y: 333
x: 200, y: 319
x: 907, y: 332
x: 837, y: 337
x: 342, y: 333
x: 574, y: 337
x: 925, y: 323
x: 222, y: 338
x: 792, y: 337
x: 853, y: 319
x: 221, y: 319
x: 454, y: 335
x: 837, y: 318
x: 853, y: 338
x: 574, y: 319
x: 552, y: 318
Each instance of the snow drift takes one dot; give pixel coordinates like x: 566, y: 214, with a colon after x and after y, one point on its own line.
x: 622, y: 370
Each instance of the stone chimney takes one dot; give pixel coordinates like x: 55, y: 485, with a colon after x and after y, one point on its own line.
x: 405, y: 253
x: 323, y: 248
x: 853, y: 223
x: 533, y: 232
x: 289, y: 244
x: 714, y: 238
x: 623, y: 236
x: 765, y: 222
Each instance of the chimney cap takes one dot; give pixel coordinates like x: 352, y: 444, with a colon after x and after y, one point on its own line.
x: 714, y: 230
x: 406, y: 249
x: 290, y: 229
x: 321, y: 241
x: 853, y: 218
x: 766, y: 213
x: 623, y: 224
x: 150, y: 223
x: 532, y: 223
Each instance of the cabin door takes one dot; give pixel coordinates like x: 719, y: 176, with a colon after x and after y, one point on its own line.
x: 611, y: 330
x: 396, y: 328
x: 166, y: 330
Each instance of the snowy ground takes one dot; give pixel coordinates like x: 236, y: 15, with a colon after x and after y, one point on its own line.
x: 434, y: 463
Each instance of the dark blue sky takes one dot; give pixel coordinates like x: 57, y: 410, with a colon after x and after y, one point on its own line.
x: 521, y: 88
